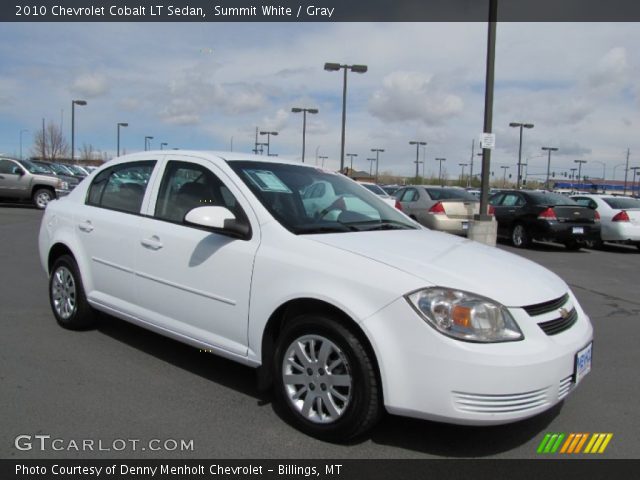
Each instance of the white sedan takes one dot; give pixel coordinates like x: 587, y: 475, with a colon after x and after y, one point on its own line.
x: 347, y: 311
x: 619, y: 217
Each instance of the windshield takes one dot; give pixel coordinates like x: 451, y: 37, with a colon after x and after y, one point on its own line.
x: 375, y: 189
x: 620, y: 202
x: 76, y: 170
x: 311, y: 200
x: 33, y: 168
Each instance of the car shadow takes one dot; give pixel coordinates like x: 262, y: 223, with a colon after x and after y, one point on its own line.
x: 422, y: 436
x: 543, y: 247
x: 27, y: 206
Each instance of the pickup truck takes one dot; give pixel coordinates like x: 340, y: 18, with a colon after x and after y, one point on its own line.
x: 24, y: 180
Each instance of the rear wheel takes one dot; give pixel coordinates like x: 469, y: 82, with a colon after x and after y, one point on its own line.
x: 41, y: 198
x: 67, y: 297
x: 325, y: 379
x: 573, y: 245
x: 520, y: 237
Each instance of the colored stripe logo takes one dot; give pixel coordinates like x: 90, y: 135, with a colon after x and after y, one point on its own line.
x: 573, y: 443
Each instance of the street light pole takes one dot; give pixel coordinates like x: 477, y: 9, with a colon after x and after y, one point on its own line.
x: 268, y: 134
x: 504, y: 176
x: 120, y: 124
x: 162, y: 145
x: 323, y: 158
x: 440, y: 170
x: 417, y: 143
x: 304, y: 123
x: 351, y: 155
x: 633, y: 183
x: 371, y: 166
x: 580, y: 162
x: 73, y: 125
x: 462, y: 174
x: 521, y: 126
x: 549, y: 150
x: 147, y: 143
x: 332, y: 67
x: 377, y: 150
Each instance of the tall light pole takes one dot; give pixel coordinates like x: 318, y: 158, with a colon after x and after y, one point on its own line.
x: 120, y: 124
x: 417, y: 143
x: 377, y: 150
x: 462, y: 174
x: 521, y: 126
x: 440, y: 169
x: 163, y: 144
x: 304, y: 123
x: 615, y: 168
x: 333, y: 67
x: 573, y: 173
x: 323, y: 158
x: 371, y: 166
x: 351, y: 155
x: 73, y: 125
x: 549, y: 150
x: 504, y: 176
x: 21, y: 132
x: 580, y: 162
x: 147, y: 142
x: 268, y: 134
x: 633, y: 182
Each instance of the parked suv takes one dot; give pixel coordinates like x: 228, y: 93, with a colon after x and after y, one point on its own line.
x: 24, y: 180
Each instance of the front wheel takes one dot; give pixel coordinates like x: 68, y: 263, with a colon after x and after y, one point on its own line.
x: 325, y: 379
x: 42, y: 197
x: 67, y: 297
x: 520, y: 236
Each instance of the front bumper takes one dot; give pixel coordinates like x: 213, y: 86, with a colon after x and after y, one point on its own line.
x: 60, y: 192
x: 428, y: 375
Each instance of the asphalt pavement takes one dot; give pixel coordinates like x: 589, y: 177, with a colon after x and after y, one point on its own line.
x: 120, y: 385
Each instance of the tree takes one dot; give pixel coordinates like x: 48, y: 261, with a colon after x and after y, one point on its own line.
x: 50, y: 144
x: 87, y: 152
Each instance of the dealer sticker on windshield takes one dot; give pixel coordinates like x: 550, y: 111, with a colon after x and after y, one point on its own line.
x: 583, y: 362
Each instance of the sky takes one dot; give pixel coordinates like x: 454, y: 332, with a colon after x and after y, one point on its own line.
x: 209, y: 85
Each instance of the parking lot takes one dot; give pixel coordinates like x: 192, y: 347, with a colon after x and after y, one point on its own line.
x: 120, y: 382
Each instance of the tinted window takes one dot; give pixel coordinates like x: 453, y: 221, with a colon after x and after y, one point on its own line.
x: 121, y: 187
x: 450, y: 194
x: 7, y: 166
x: 512, y: 200
x: 496, y: 199
x: 374, y: 188
x: 34, y: 168
x: 620, y: 202
x: 186, y: 186
x: 409, y: 195
x: 551, y: 199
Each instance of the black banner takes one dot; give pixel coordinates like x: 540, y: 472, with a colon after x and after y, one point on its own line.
x: 317, y: 11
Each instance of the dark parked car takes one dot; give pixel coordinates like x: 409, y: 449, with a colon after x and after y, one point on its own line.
x: 527, y: 215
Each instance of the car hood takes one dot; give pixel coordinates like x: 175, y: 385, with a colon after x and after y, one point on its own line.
x: 449, y: 261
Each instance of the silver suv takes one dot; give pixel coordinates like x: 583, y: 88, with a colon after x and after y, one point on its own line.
x: 24, y: 180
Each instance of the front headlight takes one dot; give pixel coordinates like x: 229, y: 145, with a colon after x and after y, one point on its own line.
x: 465, y: 316
x: 64, y: 185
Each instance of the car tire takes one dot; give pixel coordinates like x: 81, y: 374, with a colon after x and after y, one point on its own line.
x: 67, y: 297
x: 313, y: 349
x: 41, y: 198
x: 519, y: 236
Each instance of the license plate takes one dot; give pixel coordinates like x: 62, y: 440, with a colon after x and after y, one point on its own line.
x: 578, y: 230
x: 465, y: 225
x: 583, y: 362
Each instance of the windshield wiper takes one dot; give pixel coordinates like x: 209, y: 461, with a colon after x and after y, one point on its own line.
x: 325, y: 229
x: 381, y: 225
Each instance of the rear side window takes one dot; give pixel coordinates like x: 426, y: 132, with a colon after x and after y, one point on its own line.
x: 620, y: 203
x: 121, y: 187
x: 409, y: 195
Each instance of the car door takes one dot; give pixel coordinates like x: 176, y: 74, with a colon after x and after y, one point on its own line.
x: 107, y: 226
x: 189, y: 280
x: 12, y: 184
x: 510, y: 211
x: 408, y: 200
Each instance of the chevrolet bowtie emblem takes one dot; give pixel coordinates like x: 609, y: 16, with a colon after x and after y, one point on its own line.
x: 564, y: 313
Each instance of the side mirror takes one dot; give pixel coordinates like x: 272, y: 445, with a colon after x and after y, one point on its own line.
x: 220, y: 220
x: 18, y: 171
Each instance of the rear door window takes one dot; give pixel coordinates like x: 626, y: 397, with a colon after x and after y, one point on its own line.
x: 121, y: 187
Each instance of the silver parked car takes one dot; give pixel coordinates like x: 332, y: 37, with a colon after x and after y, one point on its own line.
x: 447, y: 209
x: 24, y: 180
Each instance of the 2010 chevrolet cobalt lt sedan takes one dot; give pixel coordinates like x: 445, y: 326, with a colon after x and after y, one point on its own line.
x: 347, y: 307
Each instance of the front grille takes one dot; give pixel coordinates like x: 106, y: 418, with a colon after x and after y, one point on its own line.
x: 507, y: 403
x: 553, y: 327
x: 546, y: 307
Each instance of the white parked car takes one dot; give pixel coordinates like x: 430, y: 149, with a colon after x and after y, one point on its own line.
x: 619, y: 217
x: 347, y: 311
x: 377, y: 189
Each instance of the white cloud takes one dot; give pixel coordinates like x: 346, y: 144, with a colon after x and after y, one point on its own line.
x: 409, y: 96
x: 90, y: 85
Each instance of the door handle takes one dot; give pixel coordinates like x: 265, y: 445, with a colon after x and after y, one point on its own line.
x: 86, y: 226
x: 152, y: 243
